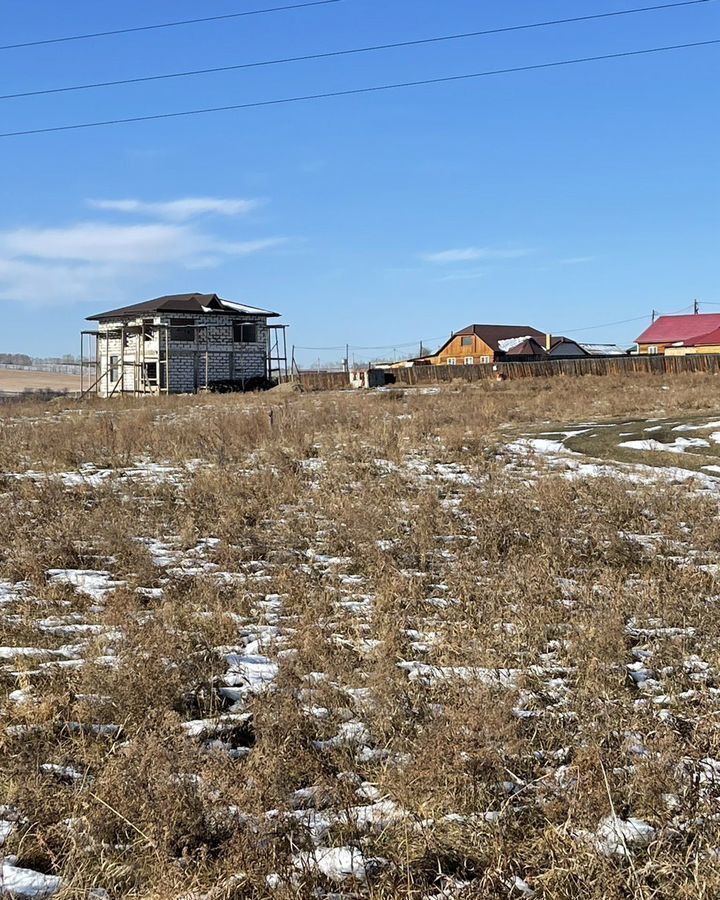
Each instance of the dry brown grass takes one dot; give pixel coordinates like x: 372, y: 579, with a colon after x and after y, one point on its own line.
x: 453, y: 629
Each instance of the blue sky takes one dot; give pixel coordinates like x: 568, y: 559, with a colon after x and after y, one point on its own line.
x: 561, y: 199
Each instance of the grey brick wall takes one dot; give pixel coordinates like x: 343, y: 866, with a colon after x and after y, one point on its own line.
x: 213, y: 356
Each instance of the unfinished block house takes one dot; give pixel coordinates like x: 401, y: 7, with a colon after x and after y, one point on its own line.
x: 181, y: 344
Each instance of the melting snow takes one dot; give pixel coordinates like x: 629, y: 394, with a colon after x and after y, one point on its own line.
x: 510, y: 343
x: 21, y: 883
x: 538, y: 445
x: 6, y: 829
x: 339, y: 863
x: 617, y: 837
x: 96, y: 584
x: 679, y: 445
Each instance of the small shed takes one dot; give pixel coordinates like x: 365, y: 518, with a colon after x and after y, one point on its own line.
x: 567, y: 348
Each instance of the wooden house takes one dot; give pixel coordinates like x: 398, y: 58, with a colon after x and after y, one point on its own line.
x: 183, y: 343
x: 483, y: 344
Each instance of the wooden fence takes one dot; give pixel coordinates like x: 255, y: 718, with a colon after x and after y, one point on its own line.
x: 619, y: 366
x: 323, y: 381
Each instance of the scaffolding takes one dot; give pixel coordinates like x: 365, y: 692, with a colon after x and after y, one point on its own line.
x: 277, y: 358
x: 135, y: 371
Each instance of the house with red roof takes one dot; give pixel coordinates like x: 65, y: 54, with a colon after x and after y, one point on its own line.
x: 681, y: 335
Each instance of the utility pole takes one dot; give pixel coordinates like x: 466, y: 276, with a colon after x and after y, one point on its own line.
x: 654, y: 316
x: 696, y: 307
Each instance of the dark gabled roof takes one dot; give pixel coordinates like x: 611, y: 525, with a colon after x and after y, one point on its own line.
x: 585, y: 349
x: 560, y: 342
x: 527, y: 347
x: 492, y: 334
x: 183, y: 303
x: 677, y: 329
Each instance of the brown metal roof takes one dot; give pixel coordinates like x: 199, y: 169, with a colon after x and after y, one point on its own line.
x: 530, y: 347
x: 183, y: 303
x: 491, y: 334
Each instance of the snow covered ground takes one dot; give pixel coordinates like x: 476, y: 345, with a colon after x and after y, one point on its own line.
x: 356, y: 663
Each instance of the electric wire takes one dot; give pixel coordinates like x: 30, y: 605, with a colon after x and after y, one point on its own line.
x: 180, y: 22
x: 623, y: 321
x: 399, y: 345
x: 303, y: 98
x: 191, y: 73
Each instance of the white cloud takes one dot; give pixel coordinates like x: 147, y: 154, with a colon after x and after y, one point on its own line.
x: 58, y: 283
x: 97, y: 242
x: 180, y: 210
x: 472, y: 254
x: 94, y: 259
x: 576, y: 260
x: 467, y: 275
x: 245, y: 248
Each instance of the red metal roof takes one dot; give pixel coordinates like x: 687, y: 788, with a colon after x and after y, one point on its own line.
x: 680, y: 329
x: 712, y: 337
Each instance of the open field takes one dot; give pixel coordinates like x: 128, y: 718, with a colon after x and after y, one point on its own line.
x: 16, y: 381
x: 426, y: 643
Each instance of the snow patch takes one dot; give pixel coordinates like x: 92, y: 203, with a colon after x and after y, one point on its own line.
x: 339, y: 863
x: 22, y: 883
x: 96, y: 584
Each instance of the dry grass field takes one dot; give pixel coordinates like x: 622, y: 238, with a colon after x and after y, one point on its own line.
x: 398, y: 644
x: 17, y: 381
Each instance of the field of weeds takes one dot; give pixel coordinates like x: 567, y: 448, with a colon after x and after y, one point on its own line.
x: 394, y: 644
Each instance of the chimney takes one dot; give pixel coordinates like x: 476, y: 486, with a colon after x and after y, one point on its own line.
x: 548, y: 342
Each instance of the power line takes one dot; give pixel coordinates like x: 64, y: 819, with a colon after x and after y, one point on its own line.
x: 316, y: 349
x: 401, y: 345
x: 622, y: 322
x: 357, y: 91
x: 398, y: 345
x: 349, y: 52
x: 604, y: 325
x: 180, y: 22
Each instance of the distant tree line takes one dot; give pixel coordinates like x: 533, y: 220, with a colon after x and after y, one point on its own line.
x: 22, y: 359
x: 15, y: 359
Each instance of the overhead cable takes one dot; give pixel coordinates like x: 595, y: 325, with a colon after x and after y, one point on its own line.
x: 180, y: 22
x: 303, y: 98
x: 191, y: 73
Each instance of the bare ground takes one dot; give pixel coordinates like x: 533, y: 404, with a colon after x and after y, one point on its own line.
x: 13, y: 381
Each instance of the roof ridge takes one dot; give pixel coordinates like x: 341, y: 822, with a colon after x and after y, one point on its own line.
x: 185, y: 303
